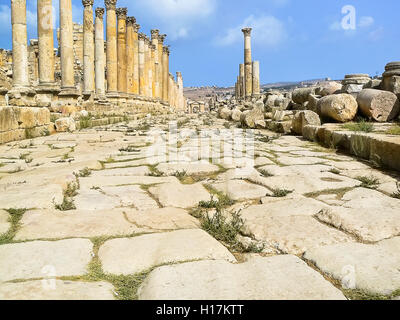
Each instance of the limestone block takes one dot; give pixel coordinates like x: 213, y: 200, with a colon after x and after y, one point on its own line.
x: 382, y: 106
x: 385, y: 151
x: 65, y: 125
x: 304, y: 118
x: 300, y: 95
x: 328, y: 88
x: 340, y: 107
x: 8, y: 119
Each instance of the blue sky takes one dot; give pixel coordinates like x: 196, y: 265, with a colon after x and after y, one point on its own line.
x: 292, y: 39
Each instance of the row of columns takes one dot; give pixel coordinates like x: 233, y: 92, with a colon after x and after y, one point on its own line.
x: 248, y: 81
x: 135, y: 64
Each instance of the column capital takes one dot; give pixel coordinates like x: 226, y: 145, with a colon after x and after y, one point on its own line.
x: 87, y: 3
x: 122, y: 13
x: 136, y: 27
x: 99, y: 12
x: 247, y: 31
x: 155, y: 33
x: 142, y: 36
x: 131, y: 21
x: 146, y: 39
x: 110, y: 4
x: 152, y: 47
x: 162, y: 37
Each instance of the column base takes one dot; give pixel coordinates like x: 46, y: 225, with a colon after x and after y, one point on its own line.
x: 22, y: 97
x: 46, y: 94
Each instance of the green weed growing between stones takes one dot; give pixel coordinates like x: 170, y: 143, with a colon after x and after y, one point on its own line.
x: 368, y: 182
x: 397, y: 193
x: 362, y: 126
x: 14, y: 219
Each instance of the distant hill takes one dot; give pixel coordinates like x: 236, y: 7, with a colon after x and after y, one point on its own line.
x: 205, y: 93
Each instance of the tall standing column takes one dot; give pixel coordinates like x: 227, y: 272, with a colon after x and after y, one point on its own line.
x: 142, y: 85
x: 146, y: 66
x: 136, y: 28
x: 99, y: 54
x: 19, y: 44
x: 242, y: 84
x: 181, y: 98
x: 247, y: 62
x: 165, y: 74
x: 161, y: 39
x: 67, y: 48
x: 130, y: 54
x: 88, y: 48
x: 153, y: 70
x: 256, y: 78
x: 121, y: 14
x: 45, y: 42
x: 112, y: 67
x: 155, y: 34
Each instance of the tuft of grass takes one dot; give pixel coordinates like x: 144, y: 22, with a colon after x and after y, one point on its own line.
x: 14, y: 219
x: 86, y: 172
x: 368, y: 182
x: 68, y: 201
x: 67, y: 205
x: 362, y: 126
x: 29, y: 133
x: 397, y: 193
x: 334, y: 171
x: 129, y: 149
x: 395, y: 130
x: 227, y: 230
x: 223, y: 199
x: 281, y: 193
x: 180, y: 174
x: 85, y: 122
x: 266, y: 173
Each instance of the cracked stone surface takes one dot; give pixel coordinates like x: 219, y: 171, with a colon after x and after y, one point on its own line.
x: 274, y: 278
x: 129, y: 256
x: 370, y: 267
x: 134, y: 207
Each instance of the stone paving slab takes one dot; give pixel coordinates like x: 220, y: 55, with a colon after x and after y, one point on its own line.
x: 198, y: 167
x: 239, y: 190
x: 4, y: 224
x: 90, y: 182
x: 131, y: 171
x: 95, y: 200
x: 53, y: 224
x: 273, y: 278
x: 129, y: 196
x: 40, y: 259
x: 162, y: 219
x: 179, y: 195
x: 56, y: 290
x: 370, y: 267
x: 133, y: 255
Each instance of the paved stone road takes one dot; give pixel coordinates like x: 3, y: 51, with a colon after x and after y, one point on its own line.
x: 117, y: 213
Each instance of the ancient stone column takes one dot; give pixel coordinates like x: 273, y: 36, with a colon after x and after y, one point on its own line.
x: 67, y: 48
x: 153, y: 70
x: 241, y: 82
x: 161, y: 40
x: 256, y: 78
x: 46, y: 42
x: 88, y: 48
x: 155, y: 34
x: 136, y: 28
x: 247, y: 62
x: 142, y: 85
x: 19, y: 44
x: 121, y: 14
x: 181, y: 97
x: 112, y: 65
x: 165, y: 74
x: 99, y: 53
x: 130, y: 54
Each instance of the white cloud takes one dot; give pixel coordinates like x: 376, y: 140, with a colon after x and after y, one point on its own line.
x: 366, y: 22
x: 5, y: 19
x: 377, y: 34
x: 179, y: 16
x: 268, y: 31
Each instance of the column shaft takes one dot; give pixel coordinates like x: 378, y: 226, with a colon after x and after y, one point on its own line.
x: 161, y: 40
x: 112, y: 68
x: 136, y: 59
x: 88, y: 48
x: 67, y: 45
x: 154, y: 39
x: 142, y: 85
x: 248, y: 68
x: 242, y: 84
x: 99, y: 53
x: 122, y: 77
x: 256, y: 78
x: 165, y: 74
x: 45, y: 42
x: 130, y: 54
x: 153, y: 70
